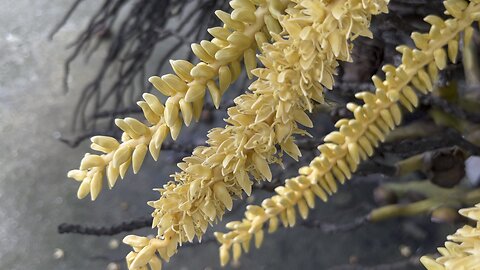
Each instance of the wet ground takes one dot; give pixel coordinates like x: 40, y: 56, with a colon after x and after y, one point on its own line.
x: 36, y: 196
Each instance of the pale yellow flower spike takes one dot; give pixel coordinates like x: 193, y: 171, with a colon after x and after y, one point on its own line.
x: 462, y: 251
x: 297, y: 67
x: 246, y: 28
x: 356, y: 138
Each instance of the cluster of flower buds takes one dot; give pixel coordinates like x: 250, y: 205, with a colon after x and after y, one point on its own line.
x: 261, y: 126
x: 247, y: 27
x: 356, y: 138
x: 461, y: 249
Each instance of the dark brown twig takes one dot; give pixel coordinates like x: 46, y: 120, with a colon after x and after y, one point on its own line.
x: 109, y: 230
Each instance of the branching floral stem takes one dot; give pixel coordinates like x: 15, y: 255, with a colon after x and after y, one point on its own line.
x: 354, y: 141
x: 262, y: 125
x: 245, y: 30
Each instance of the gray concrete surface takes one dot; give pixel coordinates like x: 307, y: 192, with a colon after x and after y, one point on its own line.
x: 36, y: 196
